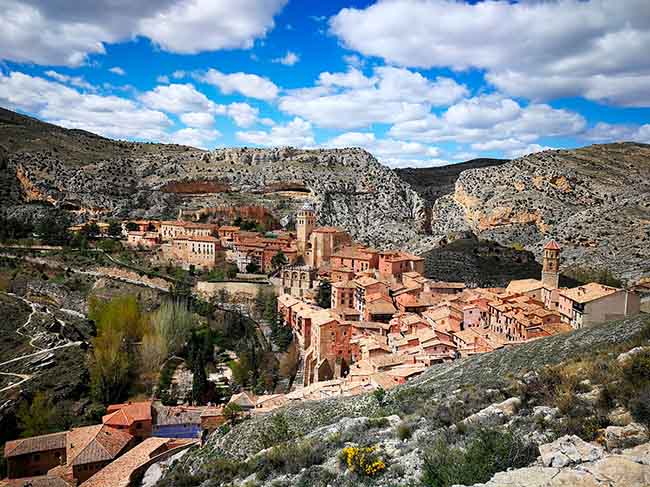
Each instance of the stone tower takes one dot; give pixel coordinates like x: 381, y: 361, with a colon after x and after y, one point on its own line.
x: 306, y: 219
x: 551, y: 266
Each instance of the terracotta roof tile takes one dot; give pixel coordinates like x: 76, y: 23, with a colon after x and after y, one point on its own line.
x: 34, y: 444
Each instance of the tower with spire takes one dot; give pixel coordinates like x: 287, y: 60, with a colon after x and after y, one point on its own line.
x: 551, y: 265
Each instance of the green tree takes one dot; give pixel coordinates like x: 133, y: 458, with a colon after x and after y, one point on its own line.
x: 231, y: 271
x: 232, y: 412
x: 37, y: 418
x: 173, y: 322
x: 114, y: 229
x: 324, y: 298
x: 132, y: 226
x: 279, y: 260
x: 199, y: 384
x: 53, y: 229
x: 90, y: 230
x: 252, y: 268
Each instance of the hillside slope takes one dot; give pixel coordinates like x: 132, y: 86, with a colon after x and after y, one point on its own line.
x: 490, y: 389
x: 595, y: 201
x: 97, y: 177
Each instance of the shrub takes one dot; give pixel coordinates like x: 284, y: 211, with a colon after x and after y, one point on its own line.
x: 404, y: 431
x: 640, y: 406
x: 379, y: 394
x: 288, y: 458
x: 489, y: 452
x: 377, y: 423
x: 364, y: 461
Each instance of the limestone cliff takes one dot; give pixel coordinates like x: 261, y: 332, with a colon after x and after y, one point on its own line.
x: 595, y: 201
x: 96, y: 177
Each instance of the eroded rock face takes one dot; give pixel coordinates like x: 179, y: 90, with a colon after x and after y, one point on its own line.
x: 349, y: 187
x: 594, y: 201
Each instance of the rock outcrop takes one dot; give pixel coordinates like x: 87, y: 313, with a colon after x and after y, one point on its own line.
x: 594, y: 201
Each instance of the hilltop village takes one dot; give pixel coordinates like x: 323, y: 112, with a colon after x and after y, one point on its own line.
x: 386, y: 322
x: 361, y: 319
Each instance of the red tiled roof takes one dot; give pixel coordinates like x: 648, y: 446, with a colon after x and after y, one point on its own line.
x: 96, y: 443
x: 127, y: 414
x: 40, y: 481
x: 552, y: 245
x: 53, y: 441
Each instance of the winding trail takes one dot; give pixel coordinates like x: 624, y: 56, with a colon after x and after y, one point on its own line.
x: 32, y: 338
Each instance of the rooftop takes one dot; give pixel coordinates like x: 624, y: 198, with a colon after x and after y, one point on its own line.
x: 35, y: 444
x: 552, y: 245
x: 589, y: 292
x: 98, y: 443
x: 524, y: 286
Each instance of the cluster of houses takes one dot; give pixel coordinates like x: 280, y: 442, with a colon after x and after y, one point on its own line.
x: 130, y: 438
x: 387, y: 323
x: 206, y: 246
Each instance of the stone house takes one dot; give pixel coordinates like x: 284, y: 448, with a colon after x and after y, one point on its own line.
x: 365, y: 286
x: 356, y: 258
x: 134, y: 417
x: 147, y: 240
x: 200, y: 252
x: 329, y: 353
x: 595, y: 303
x: 343, y: 294
x: 29, y: 457
x: 91, y: 448
x: 298, y: 281
x: 397, y: 263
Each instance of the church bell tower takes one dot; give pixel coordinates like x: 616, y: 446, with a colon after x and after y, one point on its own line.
x: 551, y: 265
x: 305, y: 221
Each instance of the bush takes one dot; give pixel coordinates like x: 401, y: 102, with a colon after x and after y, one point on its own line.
x: 640, y: 406
x: 489, y: 452
x: 404, y: 431
x: 288, y: 458
x: 377, y: 423
x: 364, y: 461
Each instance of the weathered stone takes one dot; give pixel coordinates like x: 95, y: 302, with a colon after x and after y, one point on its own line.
x: 625, y: 357
x: 625, y: 436
x: 495, y: 414
x: 619, y: 416
x: 569, y: 450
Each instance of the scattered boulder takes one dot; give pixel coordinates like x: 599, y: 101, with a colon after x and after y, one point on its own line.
x: 619, y: 416
x: 569, y: 450
x: 495, y: 414
x: 616, y: 437
x: 625, y: 357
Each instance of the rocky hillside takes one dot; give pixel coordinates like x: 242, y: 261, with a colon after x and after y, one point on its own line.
x: 93, y: 176
x: 433, y: 182
x: 595, y: 201
x: 566, y: 405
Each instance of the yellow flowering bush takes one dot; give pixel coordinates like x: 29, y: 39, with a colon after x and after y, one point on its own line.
x: 362, y: 460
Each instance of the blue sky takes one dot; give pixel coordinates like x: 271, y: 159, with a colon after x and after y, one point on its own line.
x: 416, y: 82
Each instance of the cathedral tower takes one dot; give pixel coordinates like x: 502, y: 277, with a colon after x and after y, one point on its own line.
x: 551, y: 265
x: 305, y: 221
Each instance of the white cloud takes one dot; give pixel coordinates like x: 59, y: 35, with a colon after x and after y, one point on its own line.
x: 110, y: 116
x: 491, y: 117
x: 179, y: 98
x: 289, y: 59
x: 118, y: 71
x: 194, y: 137
x: 296, y: 133
x: 243, y: 114
x: 540, y: 49
x: 77, y: 81
x: 201, y: 120
x: 65, y: 33
x: 605, y: 132
x: 511, y: 147
x: 250, y: 85
x: 351, y: 100
x: 162, y: 79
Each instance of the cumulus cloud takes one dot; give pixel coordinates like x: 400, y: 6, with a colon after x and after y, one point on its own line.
x: 117, y: 70
x: 491, y: 117
x: 179, y: 98
x: 289, y: 59
x: 110, y: 116
x: 243, y: 114
x: 65, y: 32
x: 351, y: 100
x: 395, y: 153
x: 250, y: 85
x: 296, y: 133
x: 595, y: 49
x: 195, y: 137
x: 77, y: 81
x: 606, y: 132
x: 201, y: 120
